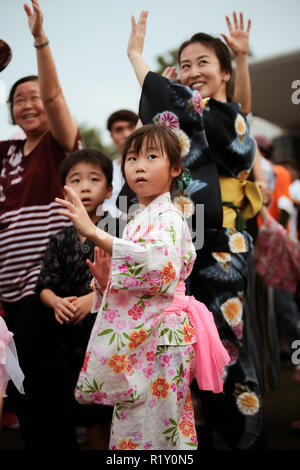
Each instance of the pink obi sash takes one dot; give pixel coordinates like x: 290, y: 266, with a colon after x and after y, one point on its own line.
x: 9, y: 365
x: 211, y: 355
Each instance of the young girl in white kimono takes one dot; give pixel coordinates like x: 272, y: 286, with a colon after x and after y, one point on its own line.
x: 147, y: 335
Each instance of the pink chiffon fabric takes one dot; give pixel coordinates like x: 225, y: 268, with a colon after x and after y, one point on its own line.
x: 211, y: 355
x: 9, y: 365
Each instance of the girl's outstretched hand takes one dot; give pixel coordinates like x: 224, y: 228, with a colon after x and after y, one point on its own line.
x: 100, y: 268
x: 137, y: 36
x: 77, y: 213
x: 35, y: 20
x: 238, y: 41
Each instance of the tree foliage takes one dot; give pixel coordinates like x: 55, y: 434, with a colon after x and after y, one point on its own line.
x: 168, y: 59
x: 91, y: 137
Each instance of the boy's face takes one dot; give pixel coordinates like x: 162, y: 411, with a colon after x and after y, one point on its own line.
x: 90, y: 184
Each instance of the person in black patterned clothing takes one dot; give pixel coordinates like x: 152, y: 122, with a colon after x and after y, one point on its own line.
x: 219, y: 153
x: 64, y: 286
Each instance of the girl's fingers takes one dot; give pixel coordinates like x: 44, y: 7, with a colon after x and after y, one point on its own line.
x: 249, y: 26
x: 73, y: 198
x: 71, y: 193
x: 91, y: 266
x: 100, y: 254
x: 64, y: 202
x: 66, y: 214
x: 97, y: 255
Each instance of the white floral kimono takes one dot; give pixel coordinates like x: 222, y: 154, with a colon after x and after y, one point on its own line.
x: 139, y: 358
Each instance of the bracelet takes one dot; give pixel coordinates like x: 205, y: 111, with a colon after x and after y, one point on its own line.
x: 39, y: 46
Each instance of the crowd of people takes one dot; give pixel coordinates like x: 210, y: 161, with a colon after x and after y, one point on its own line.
x: 130, y: 323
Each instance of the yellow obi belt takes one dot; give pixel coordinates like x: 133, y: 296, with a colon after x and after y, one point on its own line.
x: 241, y: 201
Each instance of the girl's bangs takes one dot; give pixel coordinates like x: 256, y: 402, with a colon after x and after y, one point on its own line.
x: 152, y: 139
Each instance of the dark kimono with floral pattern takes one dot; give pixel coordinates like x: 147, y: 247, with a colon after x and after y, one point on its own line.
x: 217, y: 142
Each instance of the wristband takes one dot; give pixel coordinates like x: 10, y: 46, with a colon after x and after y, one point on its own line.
x: 39, y: 46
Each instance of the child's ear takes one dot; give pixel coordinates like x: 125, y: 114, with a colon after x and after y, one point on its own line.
x: 176, y: 170
x: 64, y: 193
x: 109, y: 192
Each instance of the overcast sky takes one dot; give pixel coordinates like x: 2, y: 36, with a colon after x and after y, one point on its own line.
x: 89, y: 40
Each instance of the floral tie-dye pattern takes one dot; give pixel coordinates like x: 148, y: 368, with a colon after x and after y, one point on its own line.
x: 166, y: 419
x: 138, y: 358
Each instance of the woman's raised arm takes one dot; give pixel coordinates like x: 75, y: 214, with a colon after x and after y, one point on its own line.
x: 238, y: 41
x: 136, y: 45
x: 62, y: 125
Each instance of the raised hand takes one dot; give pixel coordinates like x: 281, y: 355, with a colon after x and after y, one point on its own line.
x: 77, y: 213
x: 100, y: 268
x: 170, y: 73
x: 136, y: 45
x: 238, y: 41
x: 137, y: 36
x: 35, y: 20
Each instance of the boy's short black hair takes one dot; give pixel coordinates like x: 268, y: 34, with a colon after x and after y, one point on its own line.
x: 88, y: 155
x: 121, y: 115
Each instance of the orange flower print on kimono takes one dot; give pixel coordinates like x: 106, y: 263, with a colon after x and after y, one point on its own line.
x: 127, y: 361
x: 166, y: 419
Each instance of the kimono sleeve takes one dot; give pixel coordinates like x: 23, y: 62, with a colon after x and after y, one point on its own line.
x: 153, y: 264
x: 232, y: 147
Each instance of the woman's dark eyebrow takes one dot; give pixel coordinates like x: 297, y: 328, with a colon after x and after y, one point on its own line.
x: 197, y: 58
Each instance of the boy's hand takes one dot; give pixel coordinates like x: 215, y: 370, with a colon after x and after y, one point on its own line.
x: 239, y: 38
x: 83, y: 307
x: 100, y: 268
x: 64, y: 309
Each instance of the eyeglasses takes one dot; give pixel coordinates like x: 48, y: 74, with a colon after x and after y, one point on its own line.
x: 21, y: 101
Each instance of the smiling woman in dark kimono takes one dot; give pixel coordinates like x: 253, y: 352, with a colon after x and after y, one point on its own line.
x: 220, y: 154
